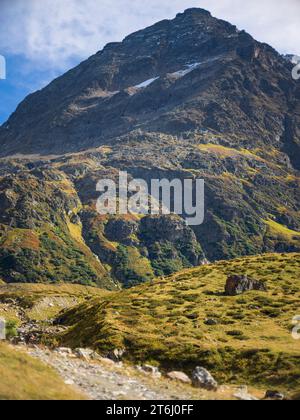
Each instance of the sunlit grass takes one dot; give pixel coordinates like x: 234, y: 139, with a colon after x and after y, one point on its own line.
x: 168, y: 322
x: 24, y: 378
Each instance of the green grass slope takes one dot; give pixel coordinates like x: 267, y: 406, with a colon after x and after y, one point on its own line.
x: 24, y: 378
x: 186, y: 320
x: 41, y: 302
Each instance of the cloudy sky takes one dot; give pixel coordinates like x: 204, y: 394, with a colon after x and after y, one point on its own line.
x: 41, y: 39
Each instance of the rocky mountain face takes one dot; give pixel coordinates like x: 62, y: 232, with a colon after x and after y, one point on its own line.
x: 192, y: 97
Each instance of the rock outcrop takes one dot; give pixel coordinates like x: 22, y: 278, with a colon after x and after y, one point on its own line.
x: 236, y: 285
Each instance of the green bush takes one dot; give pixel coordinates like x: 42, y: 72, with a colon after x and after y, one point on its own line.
x: 11, y: 329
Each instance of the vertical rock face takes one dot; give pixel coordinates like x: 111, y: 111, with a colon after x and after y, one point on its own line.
x: 191, y: 97
x: 236, y: 285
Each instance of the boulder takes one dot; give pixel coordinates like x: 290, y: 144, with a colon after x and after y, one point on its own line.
x: 238, y: 284
x: 201, y: 378
x: 179, y: 376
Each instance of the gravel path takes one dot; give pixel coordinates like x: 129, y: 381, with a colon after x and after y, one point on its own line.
x: 108, y: 380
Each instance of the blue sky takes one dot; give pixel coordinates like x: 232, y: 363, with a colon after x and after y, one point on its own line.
x: 41, y: 39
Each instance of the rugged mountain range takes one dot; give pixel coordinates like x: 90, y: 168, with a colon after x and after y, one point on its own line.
x: 192, y: 97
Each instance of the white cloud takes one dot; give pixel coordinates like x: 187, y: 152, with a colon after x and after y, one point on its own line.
x: 54, y: 32
x: 57, y: 33
x: 276, y: 22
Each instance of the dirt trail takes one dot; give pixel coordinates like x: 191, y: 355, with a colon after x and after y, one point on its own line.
x: 103, y: 379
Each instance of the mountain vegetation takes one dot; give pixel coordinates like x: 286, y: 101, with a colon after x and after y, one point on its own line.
x: 186, y: 320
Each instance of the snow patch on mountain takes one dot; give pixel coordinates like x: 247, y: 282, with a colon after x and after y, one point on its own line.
x: 146, y: 83
x: 189, y: 68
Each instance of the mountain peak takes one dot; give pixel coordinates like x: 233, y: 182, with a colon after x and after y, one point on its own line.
x: 194, y: 62
x: 194, y: 11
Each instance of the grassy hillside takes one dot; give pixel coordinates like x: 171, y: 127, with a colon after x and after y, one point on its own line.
x: 186, y: 320
x: 24, y: 378
x: 38, y: 302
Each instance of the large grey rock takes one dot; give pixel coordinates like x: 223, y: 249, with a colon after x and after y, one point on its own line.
x: 203, y: 379
x: 238, y: 284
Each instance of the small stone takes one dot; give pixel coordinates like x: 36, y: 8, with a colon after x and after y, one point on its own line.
x: 152, y: 370
x: 179, y: 376
x: 69, y: 382
x: 84, y: 354
x: 203, y: 379
x: 63, y: 350
x: 274, y: 395
x: 243, y: 395
x: 95, y: 356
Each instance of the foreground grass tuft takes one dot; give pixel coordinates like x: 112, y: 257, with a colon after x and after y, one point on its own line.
x: 24, y: 378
